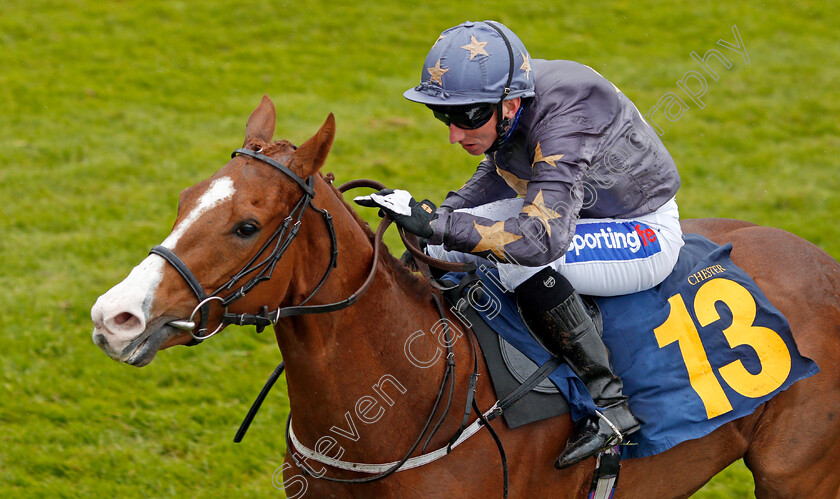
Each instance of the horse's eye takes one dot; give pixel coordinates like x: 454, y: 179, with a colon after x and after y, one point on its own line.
x: 246, y: 230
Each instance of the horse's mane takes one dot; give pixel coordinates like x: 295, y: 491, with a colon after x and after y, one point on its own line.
x: 405, y: 278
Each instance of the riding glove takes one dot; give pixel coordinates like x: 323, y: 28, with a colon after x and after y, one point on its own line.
x: 413, y: 216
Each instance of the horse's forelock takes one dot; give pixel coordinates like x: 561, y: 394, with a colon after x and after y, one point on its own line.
x: 268, y: 148
x: 277, y: 145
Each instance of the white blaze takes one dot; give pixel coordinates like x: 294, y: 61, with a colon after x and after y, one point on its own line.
x: 220, y: 190
x: 134, y: 295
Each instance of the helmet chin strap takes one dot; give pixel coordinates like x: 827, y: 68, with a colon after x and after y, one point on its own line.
x: 504, y: 128
x: 503, y: 123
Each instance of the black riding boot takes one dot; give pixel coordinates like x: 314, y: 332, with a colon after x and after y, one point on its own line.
x: 559, y: 320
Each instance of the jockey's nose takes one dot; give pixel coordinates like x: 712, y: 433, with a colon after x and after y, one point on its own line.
x: 455, y: 134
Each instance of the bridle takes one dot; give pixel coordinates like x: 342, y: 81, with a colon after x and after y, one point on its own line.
x: 277, y: 245
x: 262, y: 270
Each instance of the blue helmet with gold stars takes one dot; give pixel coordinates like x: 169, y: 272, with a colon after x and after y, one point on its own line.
x: 474, y: 62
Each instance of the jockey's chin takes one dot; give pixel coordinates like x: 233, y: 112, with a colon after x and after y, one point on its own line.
x: 475, y: 149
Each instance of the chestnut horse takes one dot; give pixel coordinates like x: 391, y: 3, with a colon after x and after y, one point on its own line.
x: 352, y: 388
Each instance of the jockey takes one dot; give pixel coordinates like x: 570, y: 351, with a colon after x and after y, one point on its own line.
x: 575, y: 193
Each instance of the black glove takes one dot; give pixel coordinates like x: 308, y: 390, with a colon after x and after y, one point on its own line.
x: 407, y: 213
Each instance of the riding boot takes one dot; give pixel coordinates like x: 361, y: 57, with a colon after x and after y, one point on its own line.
x: 559, y: 320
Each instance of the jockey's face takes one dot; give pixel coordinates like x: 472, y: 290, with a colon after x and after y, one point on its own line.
x: 477, y: 141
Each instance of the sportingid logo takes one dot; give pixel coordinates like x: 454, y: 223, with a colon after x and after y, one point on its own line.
x: 612, y: 241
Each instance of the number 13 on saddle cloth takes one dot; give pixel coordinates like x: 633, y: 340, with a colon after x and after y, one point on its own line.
x: 703, y: 348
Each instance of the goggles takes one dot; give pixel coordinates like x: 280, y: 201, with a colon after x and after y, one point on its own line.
x: 467, y: 117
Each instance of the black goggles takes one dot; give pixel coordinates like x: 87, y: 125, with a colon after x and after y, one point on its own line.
x: 466, y: 117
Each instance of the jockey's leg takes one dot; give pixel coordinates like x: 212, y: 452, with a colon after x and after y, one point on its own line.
x: 643, y: 253
x: 497, y: 210
x: 612, y: 256
x: 607, y: 257
x: 629, y: 261
x: 559, y: 320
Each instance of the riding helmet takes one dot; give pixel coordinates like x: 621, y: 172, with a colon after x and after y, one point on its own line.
x: 474, y: 62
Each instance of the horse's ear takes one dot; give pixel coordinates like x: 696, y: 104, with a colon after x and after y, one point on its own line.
x: 312, y: 154
x: 260, y: 127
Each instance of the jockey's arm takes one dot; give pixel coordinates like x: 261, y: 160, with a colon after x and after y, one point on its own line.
x: 537, y: 236
x: 485, y: 186
x: 542, y: 231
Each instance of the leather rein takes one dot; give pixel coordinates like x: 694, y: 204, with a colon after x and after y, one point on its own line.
x: 276, y: 246
x: 262, y: 270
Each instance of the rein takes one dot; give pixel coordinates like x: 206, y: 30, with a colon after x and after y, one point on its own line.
x: 281, y: 239
x: 276, y: 246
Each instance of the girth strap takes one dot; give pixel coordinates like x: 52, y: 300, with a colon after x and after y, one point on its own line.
x: 605, y: 478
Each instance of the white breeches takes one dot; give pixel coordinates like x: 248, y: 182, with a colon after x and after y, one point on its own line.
x: 606, y: 257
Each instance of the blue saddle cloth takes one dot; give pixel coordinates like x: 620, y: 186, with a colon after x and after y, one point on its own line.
x: 703, y: 348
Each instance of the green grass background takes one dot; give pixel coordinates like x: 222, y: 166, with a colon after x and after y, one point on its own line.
x: 109, y: 109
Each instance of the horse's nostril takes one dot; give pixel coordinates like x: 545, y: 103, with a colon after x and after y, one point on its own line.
x: 126, y: 320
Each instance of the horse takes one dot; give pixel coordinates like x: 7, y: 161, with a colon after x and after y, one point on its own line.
x: 354, y: 394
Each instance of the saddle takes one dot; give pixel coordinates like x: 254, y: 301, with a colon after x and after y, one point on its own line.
x: 654, y: 338
x: 508, y: 367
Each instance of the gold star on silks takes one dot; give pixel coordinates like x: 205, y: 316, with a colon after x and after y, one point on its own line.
x: 520, y: 185
x: 538, y: 157
x: 436, y: 73
x: 475, y: 47
x: 526, y: 64
x: 538, y: 209
x: 493, y: 238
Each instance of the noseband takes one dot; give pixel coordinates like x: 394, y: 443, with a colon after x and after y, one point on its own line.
x: 278, y: 243
x: 276, y: 246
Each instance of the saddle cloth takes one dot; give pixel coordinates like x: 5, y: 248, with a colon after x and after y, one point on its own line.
x: 701, y: 349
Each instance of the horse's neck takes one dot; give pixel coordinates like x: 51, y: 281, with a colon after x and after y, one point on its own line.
x: 336, y: 359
